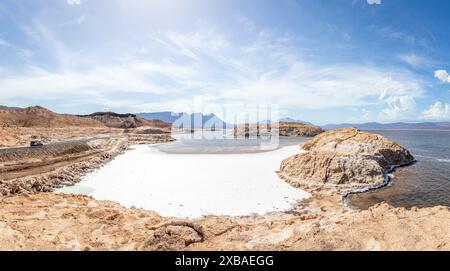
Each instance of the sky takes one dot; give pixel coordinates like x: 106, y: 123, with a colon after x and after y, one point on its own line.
x: 323, y: 61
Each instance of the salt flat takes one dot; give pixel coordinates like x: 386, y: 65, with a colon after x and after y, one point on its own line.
x: 193, y: 185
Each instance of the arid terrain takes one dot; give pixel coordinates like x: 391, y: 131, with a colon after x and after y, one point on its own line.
x: 49, y: 221
x: 73, y: 146
x: 19, y: 126
x: 34, y: 218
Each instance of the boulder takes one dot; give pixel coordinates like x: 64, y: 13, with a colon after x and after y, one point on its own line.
x: 344, y: 157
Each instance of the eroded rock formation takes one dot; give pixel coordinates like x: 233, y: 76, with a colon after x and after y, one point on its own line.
x: 50, y: 221
x: 345, y: 157
x: 284, y: 129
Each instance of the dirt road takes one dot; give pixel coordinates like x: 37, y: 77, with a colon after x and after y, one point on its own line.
x: 28, y: 161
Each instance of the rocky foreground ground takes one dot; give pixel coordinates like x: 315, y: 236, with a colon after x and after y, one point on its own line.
x: 49, y: 221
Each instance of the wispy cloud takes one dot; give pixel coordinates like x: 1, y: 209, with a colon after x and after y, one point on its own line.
x: 414, y: 60
x: 73, y: 2
x: 45, y: 38
x: 4, y: 43
x: 205, y: 63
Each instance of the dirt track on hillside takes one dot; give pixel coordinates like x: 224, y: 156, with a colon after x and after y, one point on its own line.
x: 21, y: 162
x: 64, y: 163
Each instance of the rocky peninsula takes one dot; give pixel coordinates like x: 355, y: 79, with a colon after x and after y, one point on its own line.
x: 284, y: 129
x: 344, y: 160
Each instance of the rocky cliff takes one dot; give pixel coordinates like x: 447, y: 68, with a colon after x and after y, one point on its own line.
x: 284, y: 129
x: 125, y: 121
x: 298, y: 129
x: 344, y: 158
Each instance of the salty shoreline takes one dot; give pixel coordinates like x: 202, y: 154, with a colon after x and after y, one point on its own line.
x: 387, y: 182
x: 185, y: 185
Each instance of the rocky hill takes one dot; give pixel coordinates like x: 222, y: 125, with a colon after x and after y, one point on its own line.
x: 344, y: 158
x: 36, y: 116
x: 285, y: 129
x: 125, y: 121
x: 298, y: 129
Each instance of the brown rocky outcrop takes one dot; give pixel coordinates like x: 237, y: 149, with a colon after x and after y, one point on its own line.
x: 298, y: 129
x: 284, y: 129
x: 345, y: 158
x: 52, y: 221
x: 126, y: 121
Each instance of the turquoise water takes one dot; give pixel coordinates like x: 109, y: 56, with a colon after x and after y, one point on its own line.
x: 75, y: 189
x: 424, y: 184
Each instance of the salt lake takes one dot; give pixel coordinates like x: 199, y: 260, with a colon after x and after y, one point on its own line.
x: 160, y: 178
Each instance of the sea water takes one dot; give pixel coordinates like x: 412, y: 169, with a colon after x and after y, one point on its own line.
x: 423, y: 184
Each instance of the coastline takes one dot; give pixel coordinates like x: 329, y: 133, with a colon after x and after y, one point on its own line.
x: 387, y: 182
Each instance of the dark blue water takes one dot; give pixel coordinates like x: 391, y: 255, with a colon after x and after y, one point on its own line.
x: 424, y: 184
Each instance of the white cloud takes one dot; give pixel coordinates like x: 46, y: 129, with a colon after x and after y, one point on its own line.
x: 125, y: 77
x: 437, y: 111
x: 374, y: 2
x: 442, y: 75
x: 73, y: 2
x: 399, y: 108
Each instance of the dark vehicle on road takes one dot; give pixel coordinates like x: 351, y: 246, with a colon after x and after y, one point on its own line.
x: 36, y: 143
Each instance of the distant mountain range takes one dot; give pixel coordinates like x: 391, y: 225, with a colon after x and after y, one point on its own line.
x: 199, y: 120
x: 202, y: 119
x: 186, y: 120
x: 2, y: 107
x: 392, y: 126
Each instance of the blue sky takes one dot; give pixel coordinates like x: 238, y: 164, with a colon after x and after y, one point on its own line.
x: 324, y: 61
